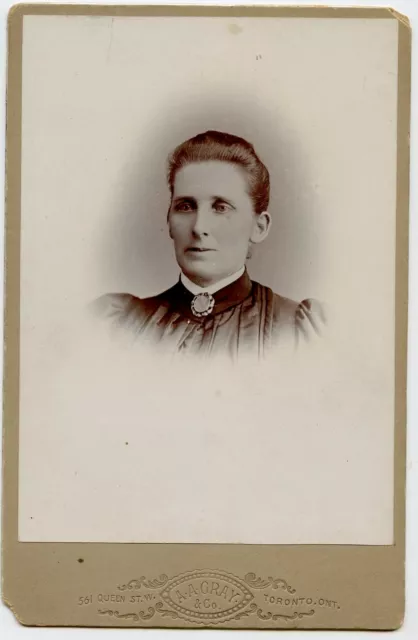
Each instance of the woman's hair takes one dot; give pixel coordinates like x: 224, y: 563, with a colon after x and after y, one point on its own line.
x: 215, y: 145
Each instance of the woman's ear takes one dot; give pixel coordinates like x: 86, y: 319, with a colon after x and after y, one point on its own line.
x: 261, y: 227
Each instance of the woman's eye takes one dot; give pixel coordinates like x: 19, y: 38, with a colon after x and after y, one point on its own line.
x: 221, y: 207
x: 184, y: 207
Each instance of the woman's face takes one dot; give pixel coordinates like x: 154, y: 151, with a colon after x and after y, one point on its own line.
x: 212, y: 220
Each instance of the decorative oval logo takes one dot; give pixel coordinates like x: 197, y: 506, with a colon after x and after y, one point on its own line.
x: 206, y: 595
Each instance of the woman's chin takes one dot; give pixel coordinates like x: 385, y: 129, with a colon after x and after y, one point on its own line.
x: 200, y: 269
x: 202, y: 277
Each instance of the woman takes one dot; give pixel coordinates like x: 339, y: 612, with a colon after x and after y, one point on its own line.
x: 219, y: 199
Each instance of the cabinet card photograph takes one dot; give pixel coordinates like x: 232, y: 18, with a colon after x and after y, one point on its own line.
x: 206, y: 309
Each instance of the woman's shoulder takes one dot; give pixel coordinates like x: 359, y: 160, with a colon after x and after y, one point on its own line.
x: 306, y: 317
x: 113, y: 304
x: 117, y: 306
x: 310, y: 317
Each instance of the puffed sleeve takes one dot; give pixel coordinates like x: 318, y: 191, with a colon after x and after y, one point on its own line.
x: 113, y: 307
x: 310, y: 318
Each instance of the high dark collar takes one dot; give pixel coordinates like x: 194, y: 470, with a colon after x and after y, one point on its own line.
x: 233, y: 294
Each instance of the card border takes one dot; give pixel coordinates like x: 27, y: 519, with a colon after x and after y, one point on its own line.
x: 367, y: 582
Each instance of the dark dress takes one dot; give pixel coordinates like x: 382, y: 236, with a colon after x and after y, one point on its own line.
x: 247, y: 319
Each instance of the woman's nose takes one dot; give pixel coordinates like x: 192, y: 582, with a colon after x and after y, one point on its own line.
x: 201, y: 222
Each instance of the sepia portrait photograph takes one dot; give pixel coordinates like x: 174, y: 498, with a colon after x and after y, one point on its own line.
x: 207, y: 271
x: 206, y: 304
x: 218, y: 209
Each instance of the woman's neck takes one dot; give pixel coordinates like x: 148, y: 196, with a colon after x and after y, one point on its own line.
x: 198, y: 287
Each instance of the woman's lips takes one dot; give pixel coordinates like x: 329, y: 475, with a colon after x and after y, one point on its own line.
x: 199, y: 253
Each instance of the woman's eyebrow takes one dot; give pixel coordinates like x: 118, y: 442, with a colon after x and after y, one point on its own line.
x: 215, y: 198
x: 184, y: 199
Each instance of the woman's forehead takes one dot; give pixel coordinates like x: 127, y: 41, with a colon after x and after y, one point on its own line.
x: 211, y: 178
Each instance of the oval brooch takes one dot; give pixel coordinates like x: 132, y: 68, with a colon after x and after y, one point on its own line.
x: 202, y: 304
